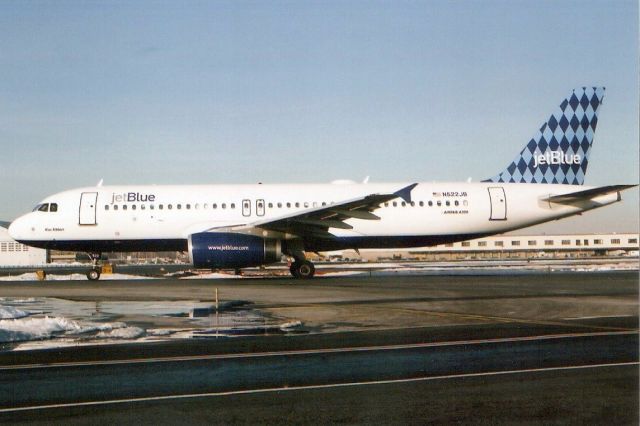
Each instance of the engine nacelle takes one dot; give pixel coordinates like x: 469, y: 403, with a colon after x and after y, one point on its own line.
x: 230, y: 250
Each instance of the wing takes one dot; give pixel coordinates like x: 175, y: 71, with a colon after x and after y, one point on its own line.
x: 586, y: 194
x: 315, y: 222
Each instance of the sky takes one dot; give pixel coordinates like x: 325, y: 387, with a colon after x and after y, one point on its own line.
x: 155, y: 92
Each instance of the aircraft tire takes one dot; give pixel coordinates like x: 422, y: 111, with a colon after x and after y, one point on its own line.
x: 303, y: 269
x: 93, y: 274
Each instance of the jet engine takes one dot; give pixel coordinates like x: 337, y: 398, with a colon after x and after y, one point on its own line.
x: 230, y: 250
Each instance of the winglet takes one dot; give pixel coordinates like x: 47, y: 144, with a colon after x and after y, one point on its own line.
x: 405, y: 193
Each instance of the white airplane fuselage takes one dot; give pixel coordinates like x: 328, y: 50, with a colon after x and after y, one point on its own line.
x: 115, y: 218
x: 235, y: 226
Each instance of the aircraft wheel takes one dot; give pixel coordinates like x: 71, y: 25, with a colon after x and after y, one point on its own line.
x: 93, y: 275
x: 303, y: 269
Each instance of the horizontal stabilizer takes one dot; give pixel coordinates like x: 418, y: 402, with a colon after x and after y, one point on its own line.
x: 587, y: 194
x: 4, y: 224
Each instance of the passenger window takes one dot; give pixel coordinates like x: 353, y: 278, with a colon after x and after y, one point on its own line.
x: 214, y: 206
x: 386, y: 204
x: 404, y: 204
x: 297, y: 204
x: 151, y: 207
x: 447, y: 203
x: 44, y: 208
x: 188, y: 206
x: 224, y: 205
x: 53, y: 207
x: 439, y: 203
x: 124, y: 207
x: 306, y: 204
x: 288, y: 205
x: 270, y: 205
x: 233, y: 206
x: 279, y: 205
x: 395, y: 204
x: 179, y: 206
x: 430, y: 203
x: 115, y: 207
x: 142, y: 207
x: 170, y: 206
x: 197, y: 206
x: 421, y: 203
x: 133, y: 207
x: 160, y: 206
x: 413, y: 204
x: 456, y: 203
x: 106, y: 206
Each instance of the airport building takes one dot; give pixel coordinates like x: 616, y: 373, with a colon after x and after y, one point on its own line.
x: 13, y: 253
x: 511, y: 247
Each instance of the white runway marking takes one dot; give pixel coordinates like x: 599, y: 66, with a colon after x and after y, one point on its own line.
x: 314, y: 351
x: 310, y: 387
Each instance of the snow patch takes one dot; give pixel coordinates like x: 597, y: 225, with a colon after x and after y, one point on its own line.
x: 212, y: 275
x: 17, y: 330
x: 341, y: 273
x: 291, y: 325
x: 160, y: 332
x: 9, y: 312
x: 122, y: 333
x: 31, y: 276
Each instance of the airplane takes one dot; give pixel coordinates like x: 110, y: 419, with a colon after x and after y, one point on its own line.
x: 239, y: 226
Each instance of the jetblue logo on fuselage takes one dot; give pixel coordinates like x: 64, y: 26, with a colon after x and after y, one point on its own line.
x: 132, y: 197
x: 556, y: 157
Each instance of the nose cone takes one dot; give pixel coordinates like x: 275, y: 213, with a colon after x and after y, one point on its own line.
x: 17, y: 229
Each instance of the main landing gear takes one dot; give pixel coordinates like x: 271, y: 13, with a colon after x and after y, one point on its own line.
x: 302, y: 268
x: 93, y: 274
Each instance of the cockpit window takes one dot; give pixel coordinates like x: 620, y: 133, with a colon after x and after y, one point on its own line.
x: 53, y: 207
x: 43, y: 207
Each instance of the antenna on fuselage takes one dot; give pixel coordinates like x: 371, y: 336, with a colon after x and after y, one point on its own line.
x: 100, y: 183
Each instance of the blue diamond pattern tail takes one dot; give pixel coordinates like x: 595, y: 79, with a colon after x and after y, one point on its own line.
x: 559, y: 152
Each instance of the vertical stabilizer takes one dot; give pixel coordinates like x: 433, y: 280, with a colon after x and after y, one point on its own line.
x: 559, y: 152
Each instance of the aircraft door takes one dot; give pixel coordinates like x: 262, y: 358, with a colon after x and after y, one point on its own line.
x: 260, y: 207
x: 88, y: 204
x: 498, y: 201
x: 246, y: 208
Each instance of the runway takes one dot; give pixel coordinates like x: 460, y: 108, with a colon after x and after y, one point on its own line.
x: 513, y: 350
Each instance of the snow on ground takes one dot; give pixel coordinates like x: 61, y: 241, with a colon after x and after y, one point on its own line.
x: 25, y: 329
x: 9, y: 312
x: 211, y: 275
x: 122, y: 333
x: 341, y: 273
x: 31, y: 276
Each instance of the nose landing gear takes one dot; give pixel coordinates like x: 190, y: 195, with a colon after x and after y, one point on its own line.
x: 93, y: 274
